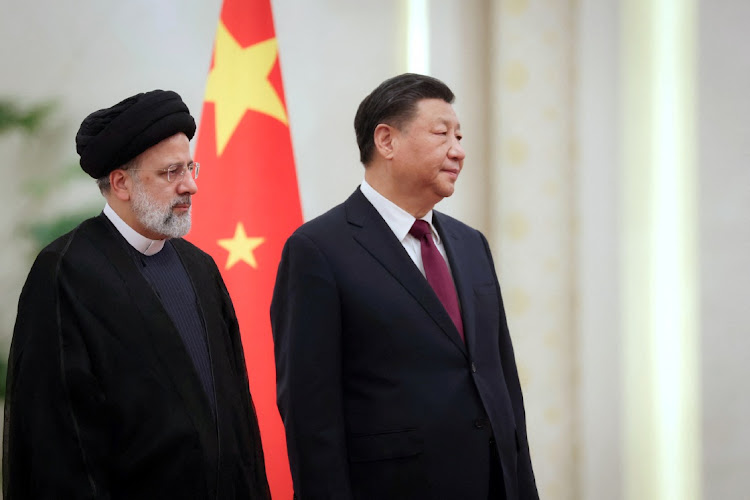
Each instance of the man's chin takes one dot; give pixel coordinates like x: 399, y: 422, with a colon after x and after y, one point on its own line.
x: 183, y: 229
x: 178, y: 227
x: 447, y: 191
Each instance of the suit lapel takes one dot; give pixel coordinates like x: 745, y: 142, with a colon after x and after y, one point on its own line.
x: 372, y: 232
x: 454, y: 248
x: 160, y: 332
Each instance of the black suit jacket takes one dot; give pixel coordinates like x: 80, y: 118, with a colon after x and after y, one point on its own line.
x: 380, y: 397
x: 103, y: 400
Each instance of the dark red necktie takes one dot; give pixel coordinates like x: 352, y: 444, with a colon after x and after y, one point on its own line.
x: 437, y: 273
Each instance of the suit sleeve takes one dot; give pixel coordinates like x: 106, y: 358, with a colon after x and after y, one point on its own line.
x: 526, y: 481
x: 306, y: 322
x: 55, y: 436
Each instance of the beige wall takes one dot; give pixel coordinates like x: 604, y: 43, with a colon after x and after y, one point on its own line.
x: 724, y: 178
x: 597, y: 199
x: 532, y: 74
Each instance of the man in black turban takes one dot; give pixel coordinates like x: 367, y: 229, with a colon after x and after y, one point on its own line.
x: 126, y: 374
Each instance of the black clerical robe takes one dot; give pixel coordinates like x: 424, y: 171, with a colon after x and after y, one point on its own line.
x: 103, y: 400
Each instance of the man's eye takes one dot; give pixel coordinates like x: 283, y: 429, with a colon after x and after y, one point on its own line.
x: 173, y: 169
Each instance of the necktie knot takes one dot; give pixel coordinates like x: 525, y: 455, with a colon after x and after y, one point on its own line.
x: 420, y: 229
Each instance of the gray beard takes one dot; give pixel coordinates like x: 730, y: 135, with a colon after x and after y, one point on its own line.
x: 160, y: 218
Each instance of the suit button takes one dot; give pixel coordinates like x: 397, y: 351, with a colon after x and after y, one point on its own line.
x: 473, y: 367
x: 480, y: 423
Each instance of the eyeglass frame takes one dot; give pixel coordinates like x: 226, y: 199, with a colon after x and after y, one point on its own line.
x: 172, y: 175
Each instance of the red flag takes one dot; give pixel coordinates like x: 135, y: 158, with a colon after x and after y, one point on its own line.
x: 248, y: 200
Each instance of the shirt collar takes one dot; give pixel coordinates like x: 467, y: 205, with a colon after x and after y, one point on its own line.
x: 144, y: 245
x: 398, y: 219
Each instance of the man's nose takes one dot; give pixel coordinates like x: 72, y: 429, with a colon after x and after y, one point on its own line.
x: 187, y: 185
x: 457, y: 151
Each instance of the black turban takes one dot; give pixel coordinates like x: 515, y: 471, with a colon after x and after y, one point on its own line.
x: 111, y: 137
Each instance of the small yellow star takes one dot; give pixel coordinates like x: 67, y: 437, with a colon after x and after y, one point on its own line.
x: 239, y: 82
x: 240, y: 247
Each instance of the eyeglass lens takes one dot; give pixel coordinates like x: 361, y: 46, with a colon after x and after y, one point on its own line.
x: 178, y: 173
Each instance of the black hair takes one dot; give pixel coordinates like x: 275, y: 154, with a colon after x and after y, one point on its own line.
x: 394, y: 102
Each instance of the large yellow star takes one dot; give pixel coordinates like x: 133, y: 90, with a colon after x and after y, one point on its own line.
x: 239, y: 82
x: 241, y: 247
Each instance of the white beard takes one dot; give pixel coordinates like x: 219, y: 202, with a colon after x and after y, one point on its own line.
x: 160, y: 218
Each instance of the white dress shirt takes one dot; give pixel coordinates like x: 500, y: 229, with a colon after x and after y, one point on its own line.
x: 400, y: 221
x: 144, y: 245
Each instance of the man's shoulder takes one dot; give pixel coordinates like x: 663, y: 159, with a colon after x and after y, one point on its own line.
x: 330, y: 223
x: 69, y: 244
x: 325, y: 221
x: 73, y: 254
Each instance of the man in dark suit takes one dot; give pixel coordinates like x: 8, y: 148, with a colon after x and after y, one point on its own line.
x: 126, y: 375
x: 396, y: 374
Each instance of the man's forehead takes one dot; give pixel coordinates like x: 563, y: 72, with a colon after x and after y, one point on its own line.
x: 438, y: 110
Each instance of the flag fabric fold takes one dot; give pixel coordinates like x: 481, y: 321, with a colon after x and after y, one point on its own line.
x: 248, y: 199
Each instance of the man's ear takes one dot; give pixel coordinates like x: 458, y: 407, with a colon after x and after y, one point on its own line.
x: 121, y: 184
x: 384, y: 138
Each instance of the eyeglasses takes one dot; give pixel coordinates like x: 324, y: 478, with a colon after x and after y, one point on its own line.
x: 175, y: 172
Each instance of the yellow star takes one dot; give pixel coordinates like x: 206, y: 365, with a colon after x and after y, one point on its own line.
x: 240, y: 247
x: 239, y: 82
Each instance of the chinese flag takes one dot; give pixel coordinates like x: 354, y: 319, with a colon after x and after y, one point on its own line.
x: 248, y: 201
